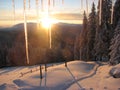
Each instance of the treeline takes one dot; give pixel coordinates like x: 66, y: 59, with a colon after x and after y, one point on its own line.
x: 12, y: 44
x: 100, y: 36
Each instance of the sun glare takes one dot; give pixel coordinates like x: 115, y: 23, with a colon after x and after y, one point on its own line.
x: 47, y: 22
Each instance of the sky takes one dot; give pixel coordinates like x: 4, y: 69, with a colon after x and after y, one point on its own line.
x: 69, y: 6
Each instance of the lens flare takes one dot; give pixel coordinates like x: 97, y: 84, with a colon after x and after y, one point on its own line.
x: 48, y: 21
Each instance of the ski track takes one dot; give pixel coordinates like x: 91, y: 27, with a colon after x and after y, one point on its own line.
x: 90, y: 74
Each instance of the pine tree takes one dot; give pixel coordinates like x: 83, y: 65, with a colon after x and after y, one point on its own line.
x: 103, y: 32
x: 115, y: 46
x: 83, y: 38
x: 76, y: 48
x: 91, y: 32
x: 116, y: 13
x: 115, y: 42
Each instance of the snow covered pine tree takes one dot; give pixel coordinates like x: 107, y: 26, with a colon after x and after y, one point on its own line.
x: 91, y: 32
x: 103, y: 32
x: 115, y: 46
x: 115, y: 42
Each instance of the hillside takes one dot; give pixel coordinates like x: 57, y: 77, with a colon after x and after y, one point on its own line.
x: 12, y: 43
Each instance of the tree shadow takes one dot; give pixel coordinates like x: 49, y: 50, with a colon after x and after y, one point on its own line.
x: 75, y: 81
x: 20, y: 83
x: 45, y: 79
x: 40, y: 82
x: 35, y: 88
x: 8, y: 86
x: 92, y: 73
x: 9, y: 69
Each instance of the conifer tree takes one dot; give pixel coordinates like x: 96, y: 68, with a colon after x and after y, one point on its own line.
x: 115, y: 46
x: 83, y: 38
x: 115, y: 42
x: 103, y: 32
x: 76, y: 48
x: 116, y: 13
x: 91, y: 32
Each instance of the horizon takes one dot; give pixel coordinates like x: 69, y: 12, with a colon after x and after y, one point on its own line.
x: 69, y: 11
x: 61, y: 22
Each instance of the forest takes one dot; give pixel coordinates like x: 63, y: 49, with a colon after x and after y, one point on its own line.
x: 97, y: 39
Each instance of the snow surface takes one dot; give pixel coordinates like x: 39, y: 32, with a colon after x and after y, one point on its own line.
x: 115, y: 71
x: 78, y: 75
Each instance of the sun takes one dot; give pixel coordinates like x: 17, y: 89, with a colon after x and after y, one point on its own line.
x: 48, y: 21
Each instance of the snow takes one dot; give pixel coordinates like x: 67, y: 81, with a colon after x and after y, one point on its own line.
x: 100, y: 81
x: 78, y: 75
x: 115, y: 71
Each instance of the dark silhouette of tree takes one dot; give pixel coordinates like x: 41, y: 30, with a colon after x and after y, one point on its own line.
x: 83, y: 38
x: 3, y: 56
x: 115, y: 46
x: 116, y: 13
x: 103, y: 31
x: 77, y: 48
x: 91, y: 32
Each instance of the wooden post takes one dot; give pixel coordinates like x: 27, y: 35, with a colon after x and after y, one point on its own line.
x: 65, y: 63
x: 40, y: 72
x: 45, y: 67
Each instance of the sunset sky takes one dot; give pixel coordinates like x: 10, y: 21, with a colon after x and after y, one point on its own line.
x: 70, y: 10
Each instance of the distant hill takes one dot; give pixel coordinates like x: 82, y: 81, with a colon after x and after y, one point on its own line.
x: 12, y: 43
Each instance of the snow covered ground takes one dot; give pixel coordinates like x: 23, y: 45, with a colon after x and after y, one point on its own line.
x: 78, y: 75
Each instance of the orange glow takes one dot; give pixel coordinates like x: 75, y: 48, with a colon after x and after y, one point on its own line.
x: 48, y: 21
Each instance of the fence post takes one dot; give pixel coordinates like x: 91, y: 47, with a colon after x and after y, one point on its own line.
x: 45, y: 67
x: 65, y: 63
x: 40, y: 72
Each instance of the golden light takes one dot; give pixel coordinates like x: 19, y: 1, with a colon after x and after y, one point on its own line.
x: 48, y: 21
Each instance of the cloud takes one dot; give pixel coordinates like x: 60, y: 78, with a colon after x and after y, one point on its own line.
x: 67, y: 16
